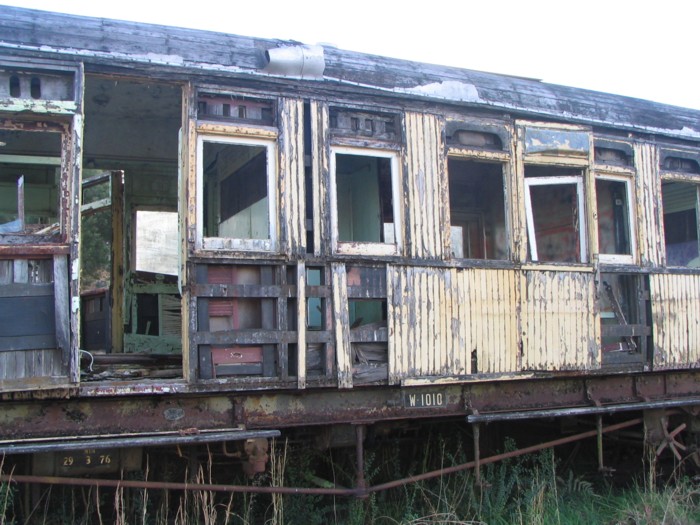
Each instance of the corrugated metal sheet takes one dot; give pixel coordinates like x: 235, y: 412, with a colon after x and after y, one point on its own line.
x: 675, y: 323
x: 424, y: 186
x: 559, y: 322
x: 646, y: 159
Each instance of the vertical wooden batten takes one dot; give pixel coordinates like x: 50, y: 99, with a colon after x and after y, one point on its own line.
x: 187, y: 220
x: 676, y: 327
x: 341, y: 325
x: 291, y: 216
x: 560, y: 325
x: 648, y: 192
x: 424, y: 176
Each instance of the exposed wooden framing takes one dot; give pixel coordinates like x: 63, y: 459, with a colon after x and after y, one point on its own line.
x: 301, y: 324
x: 187, y: 214
x: 341, y: 325
x: 320, y: 170
x: 274, y: 321
x: 648, y: 193
x: 118, y: 270
x: 321, y: 165
x: 226, y: 130
x: 62, y: 307
x: 291, y: 177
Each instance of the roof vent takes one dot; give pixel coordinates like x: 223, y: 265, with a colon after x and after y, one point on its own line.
x: 295, y: 61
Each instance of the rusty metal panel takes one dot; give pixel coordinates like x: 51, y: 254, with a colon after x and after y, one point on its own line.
x: 675, y: 320
x: 648, y: 190
x: 559, y: 321
x: 424, y: 178
x: 291, y: 175
x: 445, y: 321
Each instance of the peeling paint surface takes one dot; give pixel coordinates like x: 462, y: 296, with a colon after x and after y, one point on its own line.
x: 448, y: 89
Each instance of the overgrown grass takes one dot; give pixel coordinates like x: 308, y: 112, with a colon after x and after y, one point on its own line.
x: 529, y: 490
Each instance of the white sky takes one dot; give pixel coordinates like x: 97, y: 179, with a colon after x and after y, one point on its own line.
x: 640, y: 48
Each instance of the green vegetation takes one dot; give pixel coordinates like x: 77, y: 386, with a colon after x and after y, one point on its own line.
x: 528, y: 490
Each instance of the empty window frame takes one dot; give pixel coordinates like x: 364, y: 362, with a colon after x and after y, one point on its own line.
x: 236, y: 193
x: 30, y: 181
x: 680, y: 209
x: 477, y: 209
x: 616, y: 240
x: 364, y: 189
x: 555, y: 207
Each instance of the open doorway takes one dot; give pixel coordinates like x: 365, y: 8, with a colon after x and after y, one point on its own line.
x: 130, y: 304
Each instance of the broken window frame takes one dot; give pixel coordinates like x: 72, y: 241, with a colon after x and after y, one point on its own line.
x: 627, y: 179
x: 60, y: 162
x: 578, y: 181
x: 366, y: 247
x: 230, y: 243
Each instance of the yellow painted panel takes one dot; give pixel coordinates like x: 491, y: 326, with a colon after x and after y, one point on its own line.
x: 559, y: 321
x: 648, y: 192
x: 438, y: 317
x: 424, y: 177
x: 675, y: 320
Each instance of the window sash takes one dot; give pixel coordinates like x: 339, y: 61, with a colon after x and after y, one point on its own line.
x: 232, y: 243
x: 365, y: 247
x: 576, y: 180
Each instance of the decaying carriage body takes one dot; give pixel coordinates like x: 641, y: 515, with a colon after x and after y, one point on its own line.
x: 206, y: 237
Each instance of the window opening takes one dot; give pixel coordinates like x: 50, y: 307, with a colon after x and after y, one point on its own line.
x: 555, y: 214
x: 477, y: 210
x: 35, y: 87
x: 680, y: 204
x: 315, y: 318
x: 614, y: 225
x: 30, y: 175
x: 237, y: 192
x: 15, y: 89
x: 364, y: 209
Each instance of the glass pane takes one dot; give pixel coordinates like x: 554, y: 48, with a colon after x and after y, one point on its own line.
x: 364, y: 198
x: 613, y: 217
x: 477, y: 210
x: 235, y: 191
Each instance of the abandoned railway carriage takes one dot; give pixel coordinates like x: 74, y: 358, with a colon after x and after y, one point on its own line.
x: 210, y: 238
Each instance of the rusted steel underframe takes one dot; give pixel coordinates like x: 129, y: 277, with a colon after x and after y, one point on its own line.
x: 582, y: 411
x: 359, y: 491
